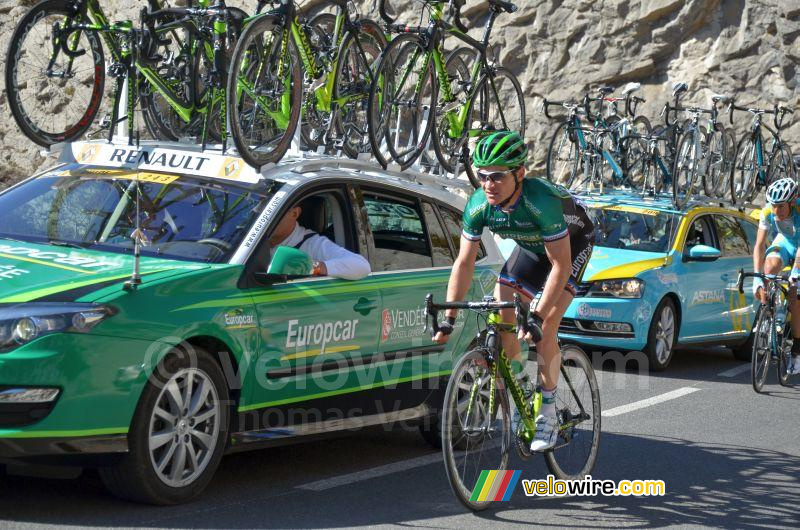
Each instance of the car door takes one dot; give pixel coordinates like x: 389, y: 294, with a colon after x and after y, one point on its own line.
x: 735, y: 318
x: 314, y: 330
x: 703, y: 284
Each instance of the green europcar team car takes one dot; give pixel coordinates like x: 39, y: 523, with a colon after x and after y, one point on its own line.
x: 152, y: 368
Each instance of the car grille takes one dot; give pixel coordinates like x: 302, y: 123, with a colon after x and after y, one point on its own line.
x: 574, y: 326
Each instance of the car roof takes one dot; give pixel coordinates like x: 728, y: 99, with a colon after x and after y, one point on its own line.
x: 296, y: 168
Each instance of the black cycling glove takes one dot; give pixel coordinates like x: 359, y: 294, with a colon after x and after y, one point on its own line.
x: 446, y: 327
x: 535, y: 326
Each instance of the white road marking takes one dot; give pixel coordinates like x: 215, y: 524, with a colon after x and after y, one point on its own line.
x: 733, y: 372
x: 636, y: 405
x: 375, y: 472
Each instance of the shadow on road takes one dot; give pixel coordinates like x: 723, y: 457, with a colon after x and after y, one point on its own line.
x: 707, y: 485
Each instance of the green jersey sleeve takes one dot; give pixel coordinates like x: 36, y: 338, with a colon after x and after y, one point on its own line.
x: 474, y: 218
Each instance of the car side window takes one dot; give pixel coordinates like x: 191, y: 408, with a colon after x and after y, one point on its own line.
x: 699, y: 233
x: 441, y: 249
x: 398, y: 234
x: 751, y: 232
x: 731, y: 237
x: 452, y: 221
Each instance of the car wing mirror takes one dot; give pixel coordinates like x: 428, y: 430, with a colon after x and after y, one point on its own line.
x: 703, y: 253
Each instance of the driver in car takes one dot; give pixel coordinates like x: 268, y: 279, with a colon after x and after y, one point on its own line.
x: 328, y: 258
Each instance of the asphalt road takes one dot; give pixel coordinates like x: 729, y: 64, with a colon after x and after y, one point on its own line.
x: 729, y: 457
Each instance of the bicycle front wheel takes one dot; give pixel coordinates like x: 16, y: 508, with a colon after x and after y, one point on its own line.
x: 685, y: 171
x: 714, y: 180
x: 781, y: 165
x: 54, y: 97
x: 578, y: 409
x: 562, y: 156
x: 476, y: 428
x: 762, y: 349
x: 264, y: 92
x: 497, y: 105
x: 745, y: 171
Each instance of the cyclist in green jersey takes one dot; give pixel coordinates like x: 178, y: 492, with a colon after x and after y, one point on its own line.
x: 554, y: 237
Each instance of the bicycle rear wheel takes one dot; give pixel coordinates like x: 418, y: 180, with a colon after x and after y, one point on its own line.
x: 684, y: 174
x: 447, y: 143
x: 781, y: 165
x: 497, y: 105
x: 264, y: 92
x: 55, y: 103
x: 476, y: 428
x: 714, y: 180
x: 562, y: 157
x: 744, y: 173
x: 401, y: 99
x: 762, y: 344
x: 578, y: 409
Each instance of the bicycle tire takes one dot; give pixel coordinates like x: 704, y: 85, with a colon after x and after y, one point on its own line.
x: 561, y: 168
x: 488, y: 94
x: 684, y: 173
x: 314, y: 122
x: 351, y: 122
x: 56, y: 92
x: 580, y: 445
x: 392, y: 142
x: 447, y: 149
x: 714, y: 177
x: 463, y: 477
x: 744, y: 176
x: 783, y: 357
x: 634, y: 152
x: 781, y: 164
x: 651, y: 181
x: 759, y: 362
x: 278, y: 106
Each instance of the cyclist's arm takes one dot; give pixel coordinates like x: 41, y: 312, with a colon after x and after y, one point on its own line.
x: 461, y: 275
x: 759, y: 250
x: 560, y: 256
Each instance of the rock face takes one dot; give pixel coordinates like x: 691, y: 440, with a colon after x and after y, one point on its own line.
x: 749, y: 49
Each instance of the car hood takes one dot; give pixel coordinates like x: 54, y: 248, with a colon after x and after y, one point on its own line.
x: 610, y: 263
x: 31, y: 271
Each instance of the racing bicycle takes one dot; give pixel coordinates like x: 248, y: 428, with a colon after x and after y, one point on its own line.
x: 477, y: 425
x: 173, y: 62
x: 772, y: 341
x: 413, y: 97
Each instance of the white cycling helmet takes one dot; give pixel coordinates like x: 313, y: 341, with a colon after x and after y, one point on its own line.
x: 782, y: 190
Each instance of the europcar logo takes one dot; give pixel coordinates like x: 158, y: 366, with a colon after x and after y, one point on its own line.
x: 236, y: 319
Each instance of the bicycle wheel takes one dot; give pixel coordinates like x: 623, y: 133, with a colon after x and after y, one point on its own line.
x: 497, y: 104
x: 314, y: 119
x: 578, y: 408
x: 55, y: 103
x: 781, y: 165
x: 402, y: 96
x: 448, y: 142
x: 784, y: 354
x: 475, y: 435
x: 264, y: 92
x: 651, y: 179
x: 684, y: 174
x: 762, y: 344
x: 745, y: 174
x: 358, y: 57
x: 714, y: 180
x: 562, y: 156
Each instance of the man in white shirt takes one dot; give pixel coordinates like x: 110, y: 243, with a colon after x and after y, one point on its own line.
x: 329, y: 259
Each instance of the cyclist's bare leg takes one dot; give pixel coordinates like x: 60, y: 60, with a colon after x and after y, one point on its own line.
x: 511, y: 344
x: 772, y: 265
x: 549, y: 355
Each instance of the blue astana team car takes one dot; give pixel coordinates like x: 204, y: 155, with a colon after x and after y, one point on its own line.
x: 659, y: 278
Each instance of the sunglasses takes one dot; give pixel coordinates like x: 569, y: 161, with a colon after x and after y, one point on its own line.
x: 494, y: 176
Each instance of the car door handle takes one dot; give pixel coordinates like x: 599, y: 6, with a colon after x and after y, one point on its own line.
x: 364, y: 306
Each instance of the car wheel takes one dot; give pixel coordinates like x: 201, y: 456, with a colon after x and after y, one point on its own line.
x: 744, y: 351
x: 431, y: 430
x: 178, y: 433
x: 661, y: 336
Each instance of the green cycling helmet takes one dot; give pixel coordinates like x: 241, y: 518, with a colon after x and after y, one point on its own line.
x: 501, y: 148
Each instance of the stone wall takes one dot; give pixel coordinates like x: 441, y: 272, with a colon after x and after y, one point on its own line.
x: 746, y: 48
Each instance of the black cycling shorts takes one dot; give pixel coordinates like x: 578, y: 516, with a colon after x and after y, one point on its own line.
x: 527, y: 272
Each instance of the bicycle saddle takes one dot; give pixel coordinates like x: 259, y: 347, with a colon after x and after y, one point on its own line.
x: 508, y: 7
x: 716, y: 98
x: 631, y: 87
x: 679, y: 88
x: 605, y: 90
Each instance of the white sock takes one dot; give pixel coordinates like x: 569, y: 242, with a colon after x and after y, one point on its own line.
x: 548, y: 402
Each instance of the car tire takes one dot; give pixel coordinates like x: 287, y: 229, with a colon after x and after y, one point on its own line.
x: 744, y: 351
x: 431, y: 430
x: 662, y: 335
x: 197, y: 432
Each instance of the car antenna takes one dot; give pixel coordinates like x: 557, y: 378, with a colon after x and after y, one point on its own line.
x: 137, y: 236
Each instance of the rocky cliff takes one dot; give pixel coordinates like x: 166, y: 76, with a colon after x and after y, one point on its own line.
x: 746, y: 48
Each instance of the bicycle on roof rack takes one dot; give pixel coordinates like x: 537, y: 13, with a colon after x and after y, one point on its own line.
x: 477, y: 427
x: 413, y: 95
x: 756, y: 167
x: 173, y: 64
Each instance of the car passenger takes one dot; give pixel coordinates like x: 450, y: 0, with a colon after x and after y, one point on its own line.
x: 782, y: 217
x: 328, y: 258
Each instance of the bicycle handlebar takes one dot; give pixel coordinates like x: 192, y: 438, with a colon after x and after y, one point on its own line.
x: 384, y: 15
x: 631, y: 102
x: 432, y: 310
x: 783, y: 277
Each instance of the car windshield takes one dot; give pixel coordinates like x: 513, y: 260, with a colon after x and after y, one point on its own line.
x: 179, y: 217
x: 632, y: 228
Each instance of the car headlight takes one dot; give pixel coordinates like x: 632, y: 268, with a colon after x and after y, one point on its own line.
x: 626, y: 288
x: 22, y: 323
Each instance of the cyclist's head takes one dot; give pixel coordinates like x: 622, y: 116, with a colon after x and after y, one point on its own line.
x: 781, y: 191
x: 499, y: 159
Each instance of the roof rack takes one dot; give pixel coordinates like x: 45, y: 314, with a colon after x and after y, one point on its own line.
x: 620, y: 195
